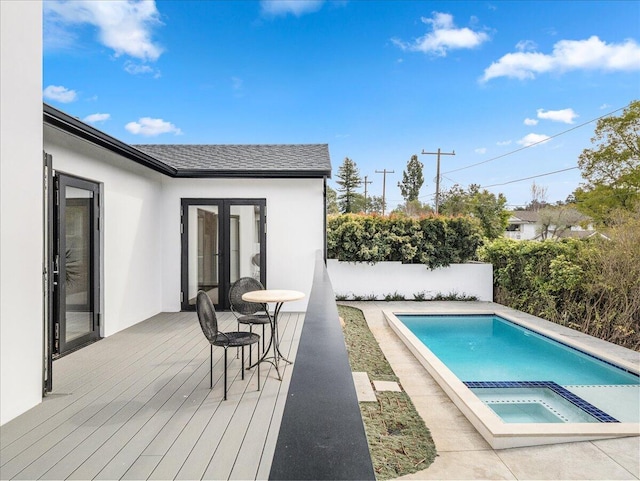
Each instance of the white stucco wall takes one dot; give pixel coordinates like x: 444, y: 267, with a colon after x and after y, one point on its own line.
x: 131, y: 227
x: 382, y: 278
x: 295, y: 229
x: 21, y: 216
x: 140, y: 244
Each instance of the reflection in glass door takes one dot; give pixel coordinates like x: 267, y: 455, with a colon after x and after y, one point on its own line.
x: 222, y: 240
x: 204, y: 254
x: 75, y: 264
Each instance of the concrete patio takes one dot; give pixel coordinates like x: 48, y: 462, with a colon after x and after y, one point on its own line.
x: 462, y: 452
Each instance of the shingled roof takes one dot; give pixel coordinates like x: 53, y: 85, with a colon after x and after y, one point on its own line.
x: 262, y: 160
x: 526, y: 215
x: 274, y: 161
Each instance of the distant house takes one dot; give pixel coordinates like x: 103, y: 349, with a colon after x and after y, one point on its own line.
x: 522, y: 225
x: 530, y: 225
x: 98, y: 235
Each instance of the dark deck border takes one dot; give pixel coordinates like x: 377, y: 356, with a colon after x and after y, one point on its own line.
x: 322, y: 435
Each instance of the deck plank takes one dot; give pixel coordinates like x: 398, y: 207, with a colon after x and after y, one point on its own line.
x: 266, y: 417
x: 142, y: 467
x: 88, y: 411
x: 137, y: 405
x: 57, y: 405
x: 67, y: 436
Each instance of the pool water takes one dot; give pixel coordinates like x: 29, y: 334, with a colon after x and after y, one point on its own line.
x: 489, y: 348
x: 495, y: 358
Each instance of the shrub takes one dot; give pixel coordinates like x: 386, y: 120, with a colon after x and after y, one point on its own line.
x: 434, y: 241
x: 396, y: 296
x: 591, y: 285
x: 453, y: 296
x: 420, y: 296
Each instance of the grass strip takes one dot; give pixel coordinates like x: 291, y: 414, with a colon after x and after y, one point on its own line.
x: 399, y: 441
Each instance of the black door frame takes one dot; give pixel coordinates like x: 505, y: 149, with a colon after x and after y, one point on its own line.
x: 58, y: 344
x: 224, y: 260
x: 48, y: 276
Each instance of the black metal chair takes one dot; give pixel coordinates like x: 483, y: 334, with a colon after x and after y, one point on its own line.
x: 209, y: 324
x: 248, y: 313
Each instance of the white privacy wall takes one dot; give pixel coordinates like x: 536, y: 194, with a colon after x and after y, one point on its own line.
x: 295, y: 229
x: 382, y: 278
x: 131, y: 248
x: 21, y: 216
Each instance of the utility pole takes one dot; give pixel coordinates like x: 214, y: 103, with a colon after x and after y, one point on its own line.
x: 438, y: 153
x: 365, y: 191
x: 384, y: 184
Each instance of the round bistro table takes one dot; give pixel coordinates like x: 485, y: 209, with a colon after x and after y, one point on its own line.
x: 279, y: 297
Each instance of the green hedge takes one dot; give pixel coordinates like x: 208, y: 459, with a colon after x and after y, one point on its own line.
x: 592, y: 286
x: 433, y: 241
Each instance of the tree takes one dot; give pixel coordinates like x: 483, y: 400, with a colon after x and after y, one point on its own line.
x: 538, y: 197
x: 485, y: 206
x: 413, y: 208
x: 375, y: 204
x: 454, y: 201
x: 332, y: 201
x: 412, y: 179
x: 348, y: 181
x: 556, y: 221
x: 611, y: 169
x: 358, y: 203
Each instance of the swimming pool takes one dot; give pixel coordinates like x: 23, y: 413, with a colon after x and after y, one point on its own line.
x: 491, y: 348
x: 522, y: 386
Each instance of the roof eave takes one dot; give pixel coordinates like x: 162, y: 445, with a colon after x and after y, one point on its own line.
x: 65, y: 122
x: 254, y: 174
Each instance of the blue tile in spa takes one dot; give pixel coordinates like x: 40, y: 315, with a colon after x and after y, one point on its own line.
x: 559, y: 390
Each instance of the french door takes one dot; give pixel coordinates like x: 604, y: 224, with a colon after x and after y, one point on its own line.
x: 76, y: 272
x: 222, y: 241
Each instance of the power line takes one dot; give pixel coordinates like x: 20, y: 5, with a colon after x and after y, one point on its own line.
x: 528, y: 178
x: 535, y: 143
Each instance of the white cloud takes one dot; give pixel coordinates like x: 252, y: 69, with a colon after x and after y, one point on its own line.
x: 140, y: 69
x: 503, y: 142
x: 533, y: 139
x: 605, y: 106
x: 236, y: 83
x: 275, y: 8
x: 94, y: 118
x: 149, y: 127
x: 530, y: 122
x: 481, y: 150
x: 59, y: 93
x: 444, y: 36
x: 566, y: 116
x: 526, y: 46
x: 590, y: 54
x: 123, y: 26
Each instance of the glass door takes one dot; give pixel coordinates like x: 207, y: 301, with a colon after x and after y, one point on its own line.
x: 76, y: 266
x: 222, y: 240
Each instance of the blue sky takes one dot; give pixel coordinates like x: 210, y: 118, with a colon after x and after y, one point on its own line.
x: 378, y: 81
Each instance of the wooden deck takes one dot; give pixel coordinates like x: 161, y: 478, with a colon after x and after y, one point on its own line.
x: 137, y: 405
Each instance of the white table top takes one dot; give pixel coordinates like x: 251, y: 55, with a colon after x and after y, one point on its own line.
x: 272, y: 295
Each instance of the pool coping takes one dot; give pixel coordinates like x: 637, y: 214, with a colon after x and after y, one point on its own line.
x: 498, y: 434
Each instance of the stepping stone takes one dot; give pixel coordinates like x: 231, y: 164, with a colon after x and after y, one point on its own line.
x: 363, y: 387
x: 387, y: 386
